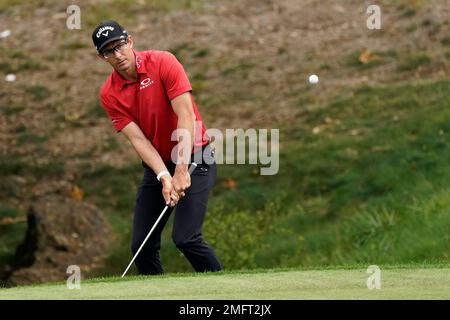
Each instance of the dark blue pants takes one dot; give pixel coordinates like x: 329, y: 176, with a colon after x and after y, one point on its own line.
x: 188, y: 220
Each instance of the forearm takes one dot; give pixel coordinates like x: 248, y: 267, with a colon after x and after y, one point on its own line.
x: 149, y: 154
x: 186, y: 124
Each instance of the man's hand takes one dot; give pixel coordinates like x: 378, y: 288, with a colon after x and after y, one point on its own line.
x: 181, y: 180
x: 170, y: 195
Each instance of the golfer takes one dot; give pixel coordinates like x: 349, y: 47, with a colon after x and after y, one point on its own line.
x: 147, y: 96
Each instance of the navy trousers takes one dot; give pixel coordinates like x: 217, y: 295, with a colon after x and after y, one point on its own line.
x: 188, y: 220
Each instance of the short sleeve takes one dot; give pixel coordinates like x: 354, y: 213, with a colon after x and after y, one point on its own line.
x: 173, y: 76
x: 119, y: 120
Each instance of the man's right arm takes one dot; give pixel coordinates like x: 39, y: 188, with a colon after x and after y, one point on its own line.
x: 151, y: 157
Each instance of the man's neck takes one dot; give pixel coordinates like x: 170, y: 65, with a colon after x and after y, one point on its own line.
x: 129, y: 74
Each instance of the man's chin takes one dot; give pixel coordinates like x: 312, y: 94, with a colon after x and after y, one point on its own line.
x: 123, y: 64
x: 122, y: 67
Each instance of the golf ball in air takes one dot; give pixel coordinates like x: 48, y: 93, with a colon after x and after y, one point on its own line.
x: 5, y: 34
x: 10, y: 77
x: 313, y: 79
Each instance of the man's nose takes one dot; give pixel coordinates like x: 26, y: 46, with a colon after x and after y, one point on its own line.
x: 117, y: 54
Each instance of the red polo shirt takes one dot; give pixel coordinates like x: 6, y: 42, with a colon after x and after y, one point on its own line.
x: 146, y: 102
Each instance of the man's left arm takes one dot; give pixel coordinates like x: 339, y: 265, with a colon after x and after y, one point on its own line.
x: 182, y: 105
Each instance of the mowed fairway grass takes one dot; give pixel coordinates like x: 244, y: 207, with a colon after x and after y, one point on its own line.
x: 396, y: 283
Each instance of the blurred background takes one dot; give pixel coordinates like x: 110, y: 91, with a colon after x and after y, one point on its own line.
x: 364, y: 154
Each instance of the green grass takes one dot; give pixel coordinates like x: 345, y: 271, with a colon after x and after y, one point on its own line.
x: 13, y: 165
x: 10, y: 235
x: 15, y: 61
x: 125, y: 11
x: 445, y: 41
x: 28, y: 137
x: 101, y: 182
x: 11, y: 110
x: 414, y: 61
x: 122, y: 10
x: 38, y: 92
x: 240, y: 68
x: 408, y: 13
x: 396, y: 283
x: 95, y: 110
x: 74, y: 45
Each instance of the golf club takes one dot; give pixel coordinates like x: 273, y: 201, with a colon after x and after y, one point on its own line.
x: 191, y: 169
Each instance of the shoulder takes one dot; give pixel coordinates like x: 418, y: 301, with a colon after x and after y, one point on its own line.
x: 158, y: 57
x: 167, y: 57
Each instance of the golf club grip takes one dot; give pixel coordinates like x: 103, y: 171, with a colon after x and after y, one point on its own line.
x: 192, y: 168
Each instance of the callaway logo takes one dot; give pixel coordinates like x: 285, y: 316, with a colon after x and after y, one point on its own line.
x: 146, y: 83
x: 107, y: 28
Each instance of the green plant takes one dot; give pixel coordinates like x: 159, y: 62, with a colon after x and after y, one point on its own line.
x: 75, y: 46
x: 38, y: 92
x: 236, y: 235
x: 11, y: 110
x: 414, y: 61
x: 11, y: 233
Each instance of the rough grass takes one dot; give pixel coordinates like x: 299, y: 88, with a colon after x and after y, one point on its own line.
x: 10, y: 234
x: 396, y: 283
x: 370, y: 187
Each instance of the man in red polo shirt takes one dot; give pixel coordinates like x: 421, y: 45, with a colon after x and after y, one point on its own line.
x: 147, y: 96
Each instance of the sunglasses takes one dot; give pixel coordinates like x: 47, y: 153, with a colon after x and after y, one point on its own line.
x: 109, y: 53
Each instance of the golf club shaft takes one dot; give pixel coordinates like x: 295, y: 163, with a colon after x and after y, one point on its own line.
x: 191, y: 169
x: 145, y: 240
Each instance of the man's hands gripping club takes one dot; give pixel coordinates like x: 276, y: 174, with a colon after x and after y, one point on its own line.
x: 174, y: 188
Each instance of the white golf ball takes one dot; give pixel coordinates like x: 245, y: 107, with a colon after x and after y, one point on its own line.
x: 5, y: 34
x: 10, y: 77
x: 313, y: 79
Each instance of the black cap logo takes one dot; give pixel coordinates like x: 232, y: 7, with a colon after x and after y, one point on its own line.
x: 106, y: 29
x: 106, y: 32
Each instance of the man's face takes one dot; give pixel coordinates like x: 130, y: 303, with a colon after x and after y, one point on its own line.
x: 119, y: 54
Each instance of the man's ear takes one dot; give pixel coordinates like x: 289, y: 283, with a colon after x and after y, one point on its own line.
x: 130, y: 39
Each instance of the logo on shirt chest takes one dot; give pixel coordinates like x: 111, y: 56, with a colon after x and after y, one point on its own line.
x: 146, y: 83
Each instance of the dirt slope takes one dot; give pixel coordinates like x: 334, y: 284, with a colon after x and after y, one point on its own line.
x: 248, y: 62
